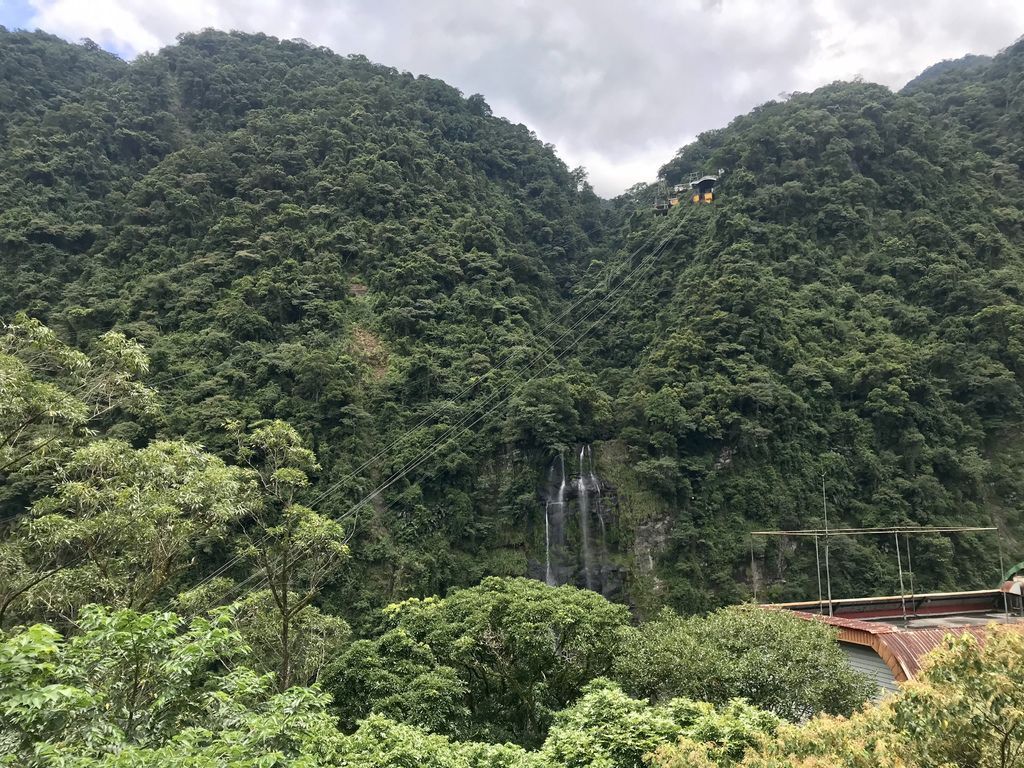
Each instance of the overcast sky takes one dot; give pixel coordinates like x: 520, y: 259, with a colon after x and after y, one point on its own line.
x: 617, y: 87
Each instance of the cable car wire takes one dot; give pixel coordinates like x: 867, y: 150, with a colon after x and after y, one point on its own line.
x: 425, y: 454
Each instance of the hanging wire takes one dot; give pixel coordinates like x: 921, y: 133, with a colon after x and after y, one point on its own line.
x: 643, y: 266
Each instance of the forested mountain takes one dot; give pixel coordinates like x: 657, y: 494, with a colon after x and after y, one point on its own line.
x: 305, y: 363
x: 380, y: 262
x: 848, y: 310
x: 297, y: 235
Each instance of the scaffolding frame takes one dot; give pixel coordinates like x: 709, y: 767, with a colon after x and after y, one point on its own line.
x: 896, y: 530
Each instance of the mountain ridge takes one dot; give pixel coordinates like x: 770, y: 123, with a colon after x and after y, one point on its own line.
x: 299, y: 235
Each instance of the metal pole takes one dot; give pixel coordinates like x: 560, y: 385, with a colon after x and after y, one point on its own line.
x: 899, y: 564
x: 910, y: 572
x: 1002, y: 573
x: 753, y: 573
x: 828, y: 572
x: 817, y: 559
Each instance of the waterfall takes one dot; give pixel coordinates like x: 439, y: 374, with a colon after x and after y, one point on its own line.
x: 596, y: 485
x: 556, y: 510
x: 584, y: 507
x: 548, y: 578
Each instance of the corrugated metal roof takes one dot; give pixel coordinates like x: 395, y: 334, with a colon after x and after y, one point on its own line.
x: 911, y: 646
x: 902, y: 649
x: 841, y: 622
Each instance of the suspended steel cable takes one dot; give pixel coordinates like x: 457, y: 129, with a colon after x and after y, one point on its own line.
x: 643, y: 265
x: 430, y: 417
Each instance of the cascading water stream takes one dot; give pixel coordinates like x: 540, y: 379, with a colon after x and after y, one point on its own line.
x: 559, y: 523
x: 596, y: 485
x: 583, y: 501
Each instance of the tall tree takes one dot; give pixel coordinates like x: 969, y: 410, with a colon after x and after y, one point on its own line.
x: 298, y: 550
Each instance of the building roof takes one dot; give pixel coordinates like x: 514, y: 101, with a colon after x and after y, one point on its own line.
x: 703, y: 180
x: 903, y: 629
x: 901, y: 648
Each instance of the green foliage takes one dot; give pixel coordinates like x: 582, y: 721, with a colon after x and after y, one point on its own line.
x: 51, y: 394
x: 375, y: 259
x: 382, y: 743
x: 52, y: 400
x: 522, y: 650
x: 315, y: 637
x: 124, y: 525
x: 400, y: 678
x: 136, y: 689
x: 335, y: 267
x: 844, y: 308
x: 775, y: 661
x: 300, y: 236
x: 297, y: 549
x: 607, y: 729
x: 149, y: 689
x: 963, y: 709
x: 967, y: 705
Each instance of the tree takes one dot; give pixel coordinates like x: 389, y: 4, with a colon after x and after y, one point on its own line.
x: 298, y: 550
x: 400, y: 678
x: 316, y: 637
x: 123, y: 526
x: 967, y: 705
x: 865, y: 740
x: 50, y: 393
x: 383, y: 743
x: 136, y: 689
x: 145, y: 690
x: 605, y: 727
x: 777, y: 662
x: 522, y: 649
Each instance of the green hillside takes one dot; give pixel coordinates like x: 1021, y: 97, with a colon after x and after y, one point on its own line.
x: 297, y: 235
x: 341, y: 424
x: 849, y: 307
x: 403, y: 277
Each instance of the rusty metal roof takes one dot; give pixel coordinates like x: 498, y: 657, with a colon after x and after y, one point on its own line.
x: 841, y: 622
x: 901, y: 648
x: 911, y: 646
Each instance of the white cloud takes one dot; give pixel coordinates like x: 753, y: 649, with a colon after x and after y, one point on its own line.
x: 617, y: 87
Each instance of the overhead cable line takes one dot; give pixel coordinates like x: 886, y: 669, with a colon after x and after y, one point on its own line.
x: 430, y: 417
x: 424, y: 455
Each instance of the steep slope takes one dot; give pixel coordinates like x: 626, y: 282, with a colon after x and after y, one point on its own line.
x: 849, y: 310
x: 375, y: 258
x: 298, y: 235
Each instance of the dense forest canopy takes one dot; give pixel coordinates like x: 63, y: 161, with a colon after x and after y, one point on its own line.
x: 441, y: 309
x: 342, y: 424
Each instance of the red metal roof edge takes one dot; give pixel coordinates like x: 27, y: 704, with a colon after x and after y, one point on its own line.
x: 887, y: 598
x: 902, y: 649
x: 871, y: 627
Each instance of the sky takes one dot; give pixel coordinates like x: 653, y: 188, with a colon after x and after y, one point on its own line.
x: 616, y: 85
